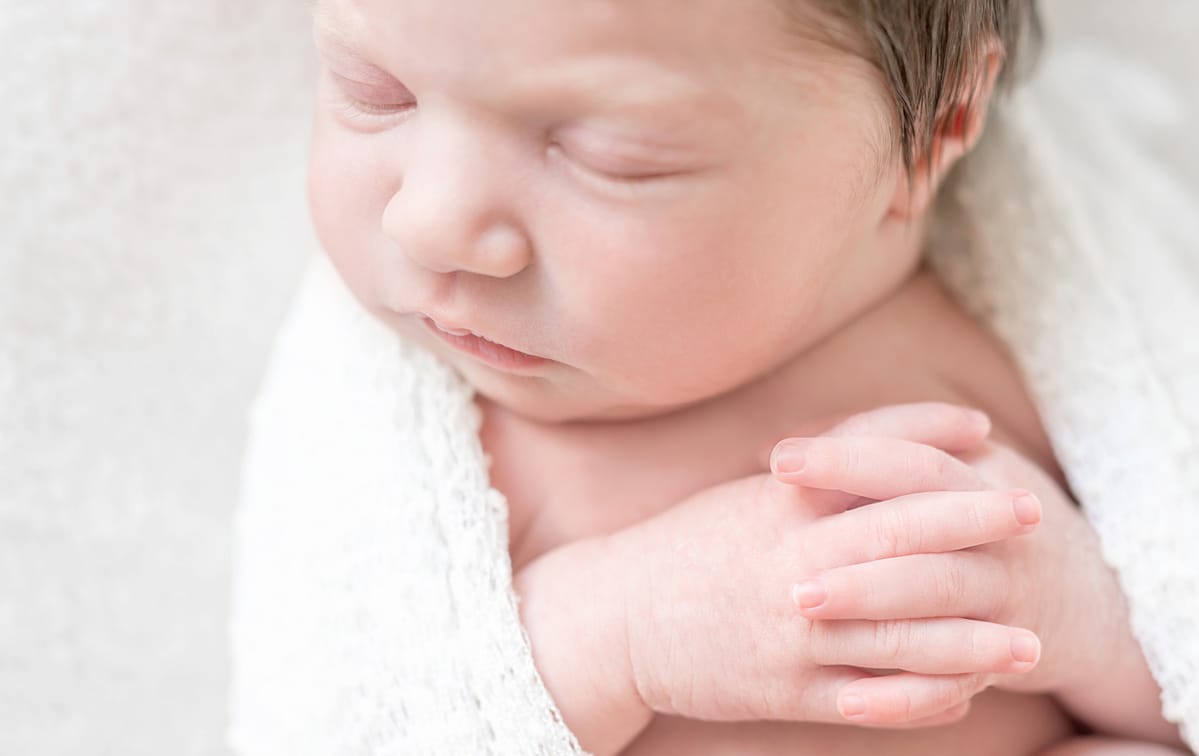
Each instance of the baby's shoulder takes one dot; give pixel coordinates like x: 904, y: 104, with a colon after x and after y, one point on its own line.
x: 978, y: 369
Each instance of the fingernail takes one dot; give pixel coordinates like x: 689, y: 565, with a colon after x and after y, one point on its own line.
x: 809, y: 594
x: 1026, y: 648
x: 788, y: 459
x: 853, y: 707
x: 1027, y: 508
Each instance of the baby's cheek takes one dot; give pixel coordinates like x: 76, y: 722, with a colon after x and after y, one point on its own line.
x: 346, y: 199
x: 333, y: 228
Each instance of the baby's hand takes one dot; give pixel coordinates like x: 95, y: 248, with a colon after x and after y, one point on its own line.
x: 1051, y: 580
x: 944, y: 558
x: 713, y: 630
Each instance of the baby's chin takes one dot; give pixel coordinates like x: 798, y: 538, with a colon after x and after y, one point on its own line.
x: 541, y: 400
x: 549, y: 402
x: 558, y: 394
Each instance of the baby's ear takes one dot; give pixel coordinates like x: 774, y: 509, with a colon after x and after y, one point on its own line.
x: 957, y: 130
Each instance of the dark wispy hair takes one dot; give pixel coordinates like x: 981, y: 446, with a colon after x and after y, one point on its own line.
x: 929, y: 51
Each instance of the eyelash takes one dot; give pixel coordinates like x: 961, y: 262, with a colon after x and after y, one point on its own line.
x: 625, y: 184
x: 359, y: 110
x: 356, y: 109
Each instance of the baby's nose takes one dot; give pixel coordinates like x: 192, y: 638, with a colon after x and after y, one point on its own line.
x: 444, y: 245
x: 458, y: 214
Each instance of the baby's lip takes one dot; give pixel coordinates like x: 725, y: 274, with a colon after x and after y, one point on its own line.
x: 480, y: 345
x: 455, y: 330
x: 450, y: 330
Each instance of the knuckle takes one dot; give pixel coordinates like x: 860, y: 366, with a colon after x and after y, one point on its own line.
x: 998, y: 603
x: 979, y: 651
x: 798, y: 700
x: 906, y: 710
x: 978, y: 683
x: 951, y: 587
x: 817, y: 648
x: 976, y: 514
x: 891, y: 640
x: 939, y: 466
x: 778, y: 700
x: 891, y: 535
x: 857, y: 595
x: 1002, y: 602
x: 947, y: 696
x: 854, y: 461
x: 963, y: 689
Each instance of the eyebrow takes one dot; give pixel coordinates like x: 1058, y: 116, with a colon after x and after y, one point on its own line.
x: 329, y: 25
x: 683, y: 98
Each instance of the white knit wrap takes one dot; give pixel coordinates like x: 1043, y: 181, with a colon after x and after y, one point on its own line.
x: 373, y: 610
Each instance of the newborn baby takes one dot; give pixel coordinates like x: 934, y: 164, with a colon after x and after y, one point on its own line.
x: 658, y: 238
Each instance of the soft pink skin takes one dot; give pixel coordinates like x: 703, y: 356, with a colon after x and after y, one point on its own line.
x: 961, y: 558
x: 684, y: 594
x: 487, y: 200
x: 746, y: 537
x: 755, y: 531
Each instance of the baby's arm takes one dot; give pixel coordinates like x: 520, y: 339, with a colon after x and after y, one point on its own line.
x: 573, y: 614
x: 572, y: 604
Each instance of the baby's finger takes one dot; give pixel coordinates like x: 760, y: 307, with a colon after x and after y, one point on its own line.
x: 950, y: 427
x: 927, y: 646
x: 908, y: 699
x: 920, y: 524
x: 821, y: 700
x: 961, y: 584
x: 876, y: 468
x: 946, y: 426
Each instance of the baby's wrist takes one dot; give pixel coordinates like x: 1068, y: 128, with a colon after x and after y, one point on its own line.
x: 573, y: 607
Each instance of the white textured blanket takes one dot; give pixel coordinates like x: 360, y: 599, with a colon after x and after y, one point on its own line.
x: 373, y: 608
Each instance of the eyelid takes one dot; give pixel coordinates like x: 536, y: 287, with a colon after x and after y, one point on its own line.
x: 362, y: 89
x: 625, y: 186
x: 625, y: 167
x: 356, y: 111
x: 356, y: 101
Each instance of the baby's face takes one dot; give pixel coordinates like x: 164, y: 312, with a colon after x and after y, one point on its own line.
x: 663, y: 199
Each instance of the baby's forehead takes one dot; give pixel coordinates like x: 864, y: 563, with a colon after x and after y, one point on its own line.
x: 666, y: 53
x: 540, y: 55
x: 640, y: 24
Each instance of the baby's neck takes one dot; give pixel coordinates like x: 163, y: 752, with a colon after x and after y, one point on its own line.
x: 571, y: 480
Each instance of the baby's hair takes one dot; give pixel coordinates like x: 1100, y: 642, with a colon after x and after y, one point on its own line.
x: 930, y: 52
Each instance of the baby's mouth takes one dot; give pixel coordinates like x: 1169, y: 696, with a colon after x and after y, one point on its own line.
x: 492, y: 353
